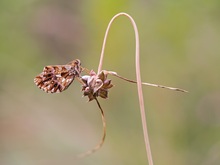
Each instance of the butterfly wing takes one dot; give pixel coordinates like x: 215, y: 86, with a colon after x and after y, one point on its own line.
x: 55, y: 79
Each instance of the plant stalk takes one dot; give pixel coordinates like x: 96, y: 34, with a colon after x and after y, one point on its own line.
x: 138, y: 77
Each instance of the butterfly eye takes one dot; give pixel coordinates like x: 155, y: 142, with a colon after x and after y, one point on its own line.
x: 77, y: 62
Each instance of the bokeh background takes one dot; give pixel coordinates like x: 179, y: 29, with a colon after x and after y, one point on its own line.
x: 180, y: 47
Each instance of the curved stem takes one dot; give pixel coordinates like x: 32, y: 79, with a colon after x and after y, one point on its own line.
x: 104, y: 41
x: 138, y: 77
x: 98, y: 146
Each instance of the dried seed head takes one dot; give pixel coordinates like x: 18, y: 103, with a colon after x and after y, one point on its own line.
x: 96, y: 85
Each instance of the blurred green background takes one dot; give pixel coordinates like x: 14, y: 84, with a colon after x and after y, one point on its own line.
x: 180, y: 47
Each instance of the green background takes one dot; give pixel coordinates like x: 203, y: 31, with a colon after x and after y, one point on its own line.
x: 180, y: 47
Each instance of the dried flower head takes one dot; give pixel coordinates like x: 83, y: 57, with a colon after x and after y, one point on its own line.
x: 96, y: 85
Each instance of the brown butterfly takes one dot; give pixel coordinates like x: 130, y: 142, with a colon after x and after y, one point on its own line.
x: 57, y: 78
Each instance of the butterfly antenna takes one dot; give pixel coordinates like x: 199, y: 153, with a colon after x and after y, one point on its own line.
x: 86, y: 70
x: 99, y: 145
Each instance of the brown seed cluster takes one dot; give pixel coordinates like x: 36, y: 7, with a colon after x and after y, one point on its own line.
x: 96, y: 85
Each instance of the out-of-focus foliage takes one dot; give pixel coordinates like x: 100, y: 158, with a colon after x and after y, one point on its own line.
x: 179, y: 47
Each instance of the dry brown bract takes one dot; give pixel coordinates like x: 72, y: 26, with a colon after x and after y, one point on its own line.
x: 96, y: 85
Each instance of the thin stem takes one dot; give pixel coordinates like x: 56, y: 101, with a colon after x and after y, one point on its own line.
x: 99, y: 145
x: 149, y: 84
x: 140, y: 94
x: 138, y: 76
x: 104, y: 41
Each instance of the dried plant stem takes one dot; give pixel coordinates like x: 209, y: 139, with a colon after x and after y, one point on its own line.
x: 138, y: 76
x: 149, y: 84
x: 98, y: 146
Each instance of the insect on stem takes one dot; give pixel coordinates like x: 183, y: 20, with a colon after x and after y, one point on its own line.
x: 57, y: 78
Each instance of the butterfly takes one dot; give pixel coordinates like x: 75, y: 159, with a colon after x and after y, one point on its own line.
x: 57, y: 78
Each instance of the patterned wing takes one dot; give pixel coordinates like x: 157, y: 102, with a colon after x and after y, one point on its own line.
x: 57, y: 78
